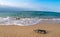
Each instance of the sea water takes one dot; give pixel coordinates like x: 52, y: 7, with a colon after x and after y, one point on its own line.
x: 27, y: 18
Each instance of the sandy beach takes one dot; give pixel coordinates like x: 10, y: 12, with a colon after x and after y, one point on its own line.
x: 27, y: 31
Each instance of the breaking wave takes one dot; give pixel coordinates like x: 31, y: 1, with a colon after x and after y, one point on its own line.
x: 20, y: 22
x: 23, y: 21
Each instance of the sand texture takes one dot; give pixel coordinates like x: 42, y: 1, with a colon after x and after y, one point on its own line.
x: 53, y: 30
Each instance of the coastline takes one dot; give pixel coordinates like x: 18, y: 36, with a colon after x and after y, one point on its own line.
x: 27, y: 21
x: 27, y: 31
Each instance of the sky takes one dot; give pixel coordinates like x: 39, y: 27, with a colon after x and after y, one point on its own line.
x: 34, y: 5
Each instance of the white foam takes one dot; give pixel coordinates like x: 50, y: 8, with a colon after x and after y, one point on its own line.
x: 21, y: 22
x: 24, y: 21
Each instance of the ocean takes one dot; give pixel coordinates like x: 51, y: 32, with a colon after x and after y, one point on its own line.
x: 26, y: 18
x: 30, y: 14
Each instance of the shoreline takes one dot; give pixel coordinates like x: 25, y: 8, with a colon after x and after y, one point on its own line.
x: 30, y: 23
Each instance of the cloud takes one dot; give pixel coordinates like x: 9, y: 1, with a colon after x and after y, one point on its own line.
x: 27, y: 4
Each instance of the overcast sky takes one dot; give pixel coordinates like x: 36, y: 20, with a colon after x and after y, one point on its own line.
x: 37, y: 5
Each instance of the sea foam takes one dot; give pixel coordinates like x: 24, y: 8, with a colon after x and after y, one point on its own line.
x: 20, y: 22
x: 24, y: 21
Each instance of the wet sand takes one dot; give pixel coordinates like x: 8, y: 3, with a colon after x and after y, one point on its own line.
x: 27, y: 31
